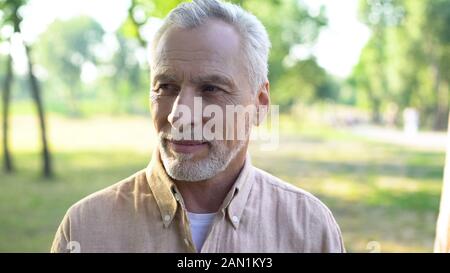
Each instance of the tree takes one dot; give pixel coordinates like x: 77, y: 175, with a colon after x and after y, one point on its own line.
x: 371, y: 74
x: 306, y: 82
x: 36, y: 95
x: 437, y: 49
x: 12, y: 18
x: 7, y: 160
x: 127, y: 77
x: 298, y: 27
x: 406, y: 61
x: 139, y: 13
x: 63, y: 49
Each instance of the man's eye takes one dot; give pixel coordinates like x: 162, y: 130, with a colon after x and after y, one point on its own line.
x: 211, y: 88
x: 166, y: 88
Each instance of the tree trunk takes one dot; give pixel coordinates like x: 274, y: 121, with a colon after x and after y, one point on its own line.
x: 7, y: 160
x: 36, y: 95
x: 442, y: 107
x: 442, y: 241
x: 376, y: 114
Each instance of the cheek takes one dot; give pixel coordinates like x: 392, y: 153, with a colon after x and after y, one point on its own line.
x: 160, y: 110
x: 236, y: 124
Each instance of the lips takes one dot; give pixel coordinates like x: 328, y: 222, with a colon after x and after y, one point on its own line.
x: 187, y: 146
x: 187, y: 142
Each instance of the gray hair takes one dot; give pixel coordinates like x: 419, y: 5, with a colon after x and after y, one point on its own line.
x: 254, y: 39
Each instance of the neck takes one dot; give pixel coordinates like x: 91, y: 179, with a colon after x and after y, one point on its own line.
x: 207, y: 196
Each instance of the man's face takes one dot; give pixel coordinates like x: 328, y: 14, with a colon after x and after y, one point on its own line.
x: 204, y: 63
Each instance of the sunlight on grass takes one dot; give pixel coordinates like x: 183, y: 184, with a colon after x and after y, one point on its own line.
x: 407, y: 185
x: 342, y: 189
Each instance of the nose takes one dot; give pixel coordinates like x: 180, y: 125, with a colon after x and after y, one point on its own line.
x: 186, y: 110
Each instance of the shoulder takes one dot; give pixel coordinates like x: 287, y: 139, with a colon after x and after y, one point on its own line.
x: 301, y: 211
x: 280, y: 188
x: 85, y: 221
x: 110, y: 198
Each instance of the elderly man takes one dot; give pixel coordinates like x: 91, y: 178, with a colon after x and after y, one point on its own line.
x: 201, y: 193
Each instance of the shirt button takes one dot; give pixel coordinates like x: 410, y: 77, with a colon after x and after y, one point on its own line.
x: 235, y: 219
x: 166, y: 218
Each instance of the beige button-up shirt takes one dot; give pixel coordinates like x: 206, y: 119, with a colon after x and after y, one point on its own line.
x: 145, y: 213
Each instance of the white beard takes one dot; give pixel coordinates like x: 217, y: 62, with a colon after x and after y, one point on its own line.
x: 182, y: 167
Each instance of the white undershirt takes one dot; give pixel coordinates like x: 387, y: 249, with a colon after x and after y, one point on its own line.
x: 200, y: 224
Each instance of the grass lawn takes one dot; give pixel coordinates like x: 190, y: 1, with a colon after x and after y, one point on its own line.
x: 378, y: 192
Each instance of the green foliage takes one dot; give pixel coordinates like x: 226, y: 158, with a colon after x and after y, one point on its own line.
x: 62, y: 50
x: 9, y: 15
x: 304, y: 82
x: 301, y: 79
x: 139, y: 13
x: 128, y: 83
x: 406, y: 61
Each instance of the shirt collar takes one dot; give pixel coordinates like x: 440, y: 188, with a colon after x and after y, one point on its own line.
x: 164, y: 191
x: 162, y: 188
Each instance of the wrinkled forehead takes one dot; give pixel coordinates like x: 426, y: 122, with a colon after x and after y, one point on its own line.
x: 216, y: 44
x: 170, y: 57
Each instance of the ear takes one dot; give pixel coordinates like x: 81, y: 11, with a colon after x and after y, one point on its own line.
x: 262, y: 103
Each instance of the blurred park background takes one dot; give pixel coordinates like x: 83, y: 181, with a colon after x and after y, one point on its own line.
x: 363, y: 89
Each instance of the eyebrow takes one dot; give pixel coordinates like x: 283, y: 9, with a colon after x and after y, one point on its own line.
x: 164, y: 77
x: 214, y: 78
x: 211, y: 78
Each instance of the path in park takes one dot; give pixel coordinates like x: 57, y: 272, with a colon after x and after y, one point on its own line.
x: 427, y: 140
